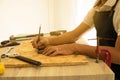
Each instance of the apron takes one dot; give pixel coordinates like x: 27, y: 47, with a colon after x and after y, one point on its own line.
x: 107, y: 36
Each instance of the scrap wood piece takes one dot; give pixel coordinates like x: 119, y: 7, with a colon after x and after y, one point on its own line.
x: 26, y: 50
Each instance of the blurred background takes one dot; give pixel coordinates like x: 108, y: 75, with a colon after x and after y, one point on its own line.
x: 25, y: 16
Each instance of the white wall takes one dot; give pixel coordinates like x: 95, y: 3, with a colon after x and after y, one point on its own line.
x: 25, y: 16
x: 64, y: 15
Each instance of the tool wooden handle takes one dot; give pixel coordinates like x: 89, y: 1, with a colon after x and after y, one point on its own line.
x: 107, y: 56
x: 28, y: 60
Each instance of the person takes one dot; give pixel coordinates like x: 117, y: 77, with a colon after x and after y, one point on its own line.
x: 104, y: 15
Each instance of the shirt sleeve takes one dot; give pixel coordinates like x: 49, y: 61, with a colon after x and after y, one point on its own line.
x: 89, y: 18
x: 116, y: 20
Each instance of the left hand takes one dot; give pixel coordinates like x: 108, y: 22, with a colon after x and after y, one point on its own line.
x: 59, y: 49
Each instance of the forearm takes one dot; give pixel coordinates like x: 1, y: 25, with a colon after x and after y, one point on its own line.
x: 90, y: 51
x: 69, y: 37
x: 62, y: 39
x: 84, y: 49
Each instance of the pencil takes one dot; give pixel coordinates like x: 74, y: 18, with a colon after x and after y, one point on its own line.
x: 39, y: 33
x: 39, y: 50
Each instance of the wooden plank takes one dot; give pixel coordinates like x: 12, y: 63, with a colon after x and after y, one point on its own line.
x: 26, y: 50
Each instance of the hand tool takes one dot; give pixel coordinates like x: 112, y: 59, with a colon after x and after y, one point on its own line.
x: 19, y: 38
x: 2, y: 68
x: 107, y: 56
x: 9, y: 43
x: 39, y: 50
x: 58, y: 32
x: 12, y: 37
x: 97, y: 51
x: 103, y: 51
x: 17, y: 56
x: 39, y: 34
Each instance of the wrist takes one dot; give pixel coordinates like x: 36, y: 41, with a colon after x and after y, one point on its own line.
x: 75, y: 48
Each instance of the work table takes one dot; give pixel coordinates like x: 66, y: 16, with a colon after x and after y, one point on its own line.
x: 90, y: 71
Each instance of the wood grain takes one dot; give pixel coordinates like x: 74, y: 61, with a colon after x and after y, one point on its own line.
x: 83, y: 70
x: 26, y: 50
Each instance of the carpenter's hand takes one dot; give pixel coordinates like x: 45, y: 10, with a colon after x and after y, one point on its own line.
x: 40, y: 44
x: 59, y: 49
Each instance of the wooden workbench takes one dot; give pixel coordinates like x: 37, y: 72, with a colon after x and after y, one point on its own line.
x: 89, y: 71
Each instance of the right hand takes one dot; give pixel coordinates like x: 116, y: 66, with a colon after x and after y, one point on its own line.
x: 41, y: 44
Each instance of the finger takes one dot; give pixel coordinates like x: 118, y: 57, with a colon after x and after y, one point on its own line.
x: 54, y: 53
x: 41, y: 45
x: 45, y: 50
x: 49, y: 52
x: 34, y: 43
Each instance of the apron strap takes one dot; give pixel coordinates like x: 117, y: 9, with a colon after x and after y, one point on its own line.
x: 112, y: 10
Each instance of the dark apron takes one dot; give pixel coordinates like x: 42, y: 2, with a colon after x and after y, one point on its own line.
x: 105, y: 31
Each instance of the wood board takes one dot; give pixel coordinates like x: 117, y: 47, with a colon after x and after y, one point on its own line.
x: 26, y: 50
